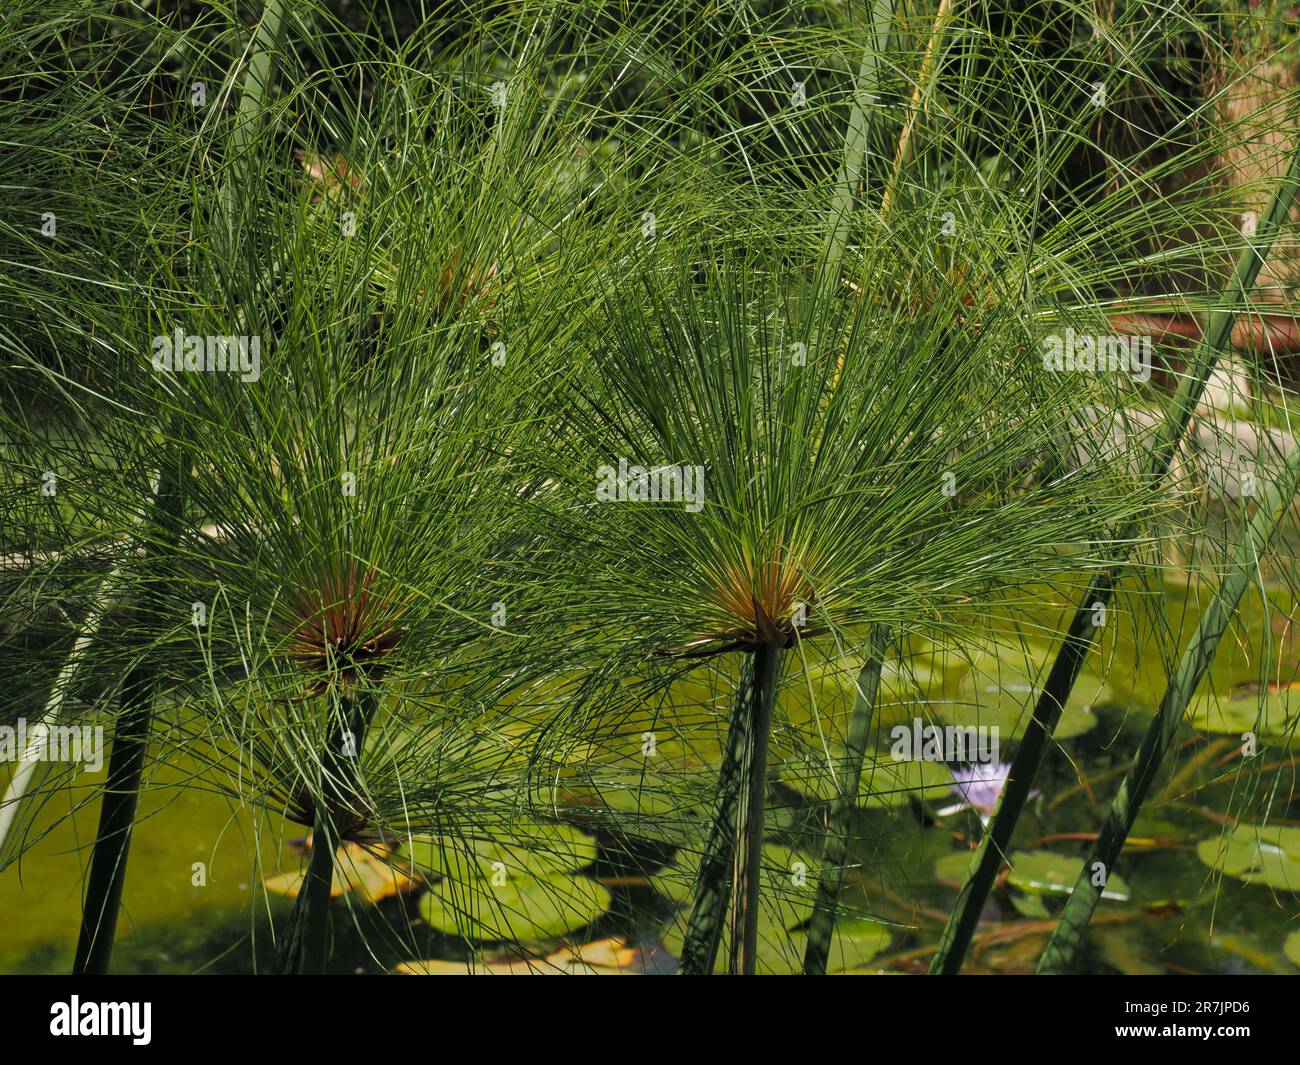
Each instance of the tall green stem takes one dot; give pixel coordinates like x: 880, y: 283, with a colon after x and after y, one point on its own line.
x: 317, y: 890
x: 853, y: 165
x: 713, y: 883
x: 748, y: 860
x: 255, y: 88
x: 835, y: 853
x: 107, y: 873
x: 1067, y: 938
x: 30, y: 761
x: 307, y: 948
x: 1065, y: 670
x: 903, y: 153
x: 712, y: 888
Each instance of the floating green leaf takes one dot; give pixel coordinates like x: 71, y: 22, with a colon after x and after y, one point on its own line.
x: 1256, y: 854
x: 1054, y: 874
x: 1291, y: 947
x: 789, y: 885
x: 1031, y: 906
x: 518, y: 909
x: 1263, y: 713
x: 1008, y: 706
x: 885, y: 782
x: 789, y: 879
x: 952, y: 868
x: 524, y: 849
x: 854, y: 942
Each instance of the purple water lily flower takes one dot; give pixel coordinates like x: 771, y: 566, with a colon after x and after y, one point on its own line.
x: 979, y: 786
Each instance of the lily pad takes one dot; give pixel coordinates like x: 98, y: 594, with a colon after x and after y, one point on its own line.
x: 604, y: 957
x: 1291, y: 947
x: 357, y: 871
x: 1031, y: 906
x: 1046, y: 872
x: 854, y: 942
x: 673, y: 883
x: 519, y: 909
x: 826, y: 691
x: 952, y: 869
x: 1256, y: 854
x: 1267, y: 713
x: 1008, y: 705
x: 789, y: 887
x: 524, y: 849
x: 789, y: 880
x: 888, y: 783
x: 885, y: 782
x: 666, y: 806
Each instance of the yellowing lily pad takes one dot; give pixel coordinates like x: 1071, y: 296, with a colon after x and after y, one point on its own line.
x: 524, y: 849
x: 518, y: 909
x: 479, y: 967
x: 1049, y: 873
x: 604, y: 957
x: 1256, y: 854
x: 364, y: 873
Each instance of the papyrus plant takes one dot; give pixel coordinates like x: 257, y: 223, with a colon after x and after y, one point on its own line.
x: 863, y: 463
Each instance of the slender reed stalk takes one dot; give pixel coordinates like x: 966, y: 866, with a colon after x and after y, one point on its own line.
x: 728, y: 864
x: 312, y: 948
x: 1065, y: 670
x: 126, y: 762
x: 853, y: 166
x: 53, y: 708
x: 852, y: 175
x: 307, y: 950
x: 747, y: 863
x: 835, y: 852
x: 903, y: 153
x: 712, y: 887
x: 254, y: 92
x: 1065, y: 942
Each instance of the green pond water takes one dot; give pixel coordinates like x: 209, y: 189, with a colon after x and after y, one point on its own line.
x: 1190, y: 894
